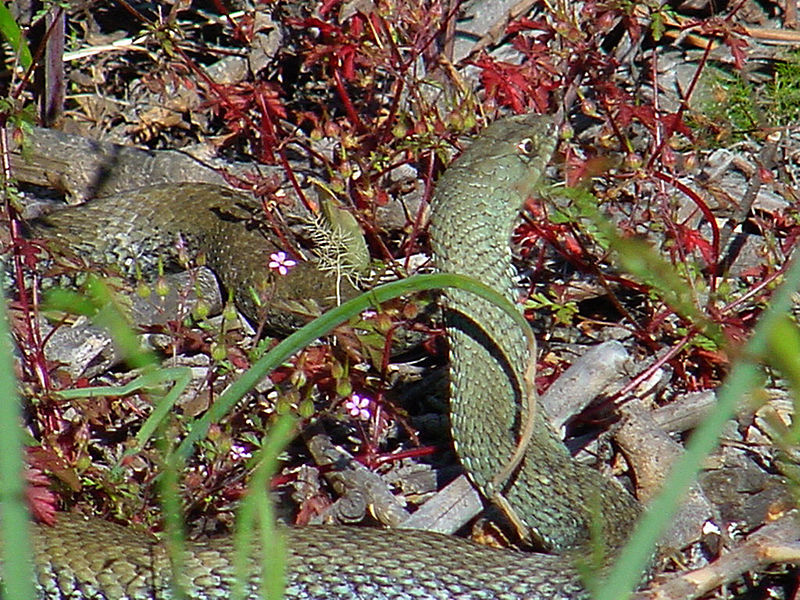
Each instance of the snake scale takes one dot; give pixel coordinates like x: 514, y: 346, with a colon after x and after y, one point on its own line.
x: 556, y: 500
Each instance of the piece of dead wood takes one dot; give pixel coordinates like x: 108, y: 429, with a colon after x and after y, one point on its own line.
x: 84, y: 168
x: 685, y: 412
x: 361, y: 490
x: 586, y: 379
x: 652, y: 453
x: 449, y: 510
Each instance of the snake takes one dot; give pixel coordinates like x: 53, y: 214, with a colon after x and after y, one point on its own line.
x: 567, y: 509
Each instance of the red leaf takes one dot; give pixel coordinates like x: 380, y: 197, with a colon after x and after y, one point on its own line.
x: 41, y: 501
x: 737, y: 46
x: 674, y: 123
x: 526, y: 24
x: 691, y: 240
x: 519, y: 87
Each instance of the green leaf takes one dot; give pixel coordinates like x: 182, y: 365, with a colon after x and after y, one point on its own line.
x: 13, y: 35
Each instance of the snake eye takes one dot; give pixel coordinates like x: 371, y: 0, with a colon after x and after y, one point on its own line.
x: 526, y: 146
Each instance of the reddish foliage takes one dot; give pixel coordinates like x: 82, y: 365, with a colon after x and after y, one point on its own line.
x: 41, y: 501
x: 527, y: 86
x: 734, y: 36
x: 559, y: 235
x: 507, y: 85
x: 691, y: 240
x: 234, y: 103
x: 339, y: 47
x: 29, y: 251
x: 737, y: 328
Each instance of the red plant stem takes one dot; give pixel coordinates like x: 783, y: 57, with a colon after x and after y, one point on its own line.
x: 448, y: 41
x: 419, y: 217
x: 398, y: 84
x: 234, y: 24
x: 756, y: 289
x: 311, y: 205
x: 709, y: 216
x: 385, y: 134
x: 413, y: 453
x: 341, y: 90
x: 33, y: 353
x: 648, y: 372
x: 370, y: 457
x: 685, y: 102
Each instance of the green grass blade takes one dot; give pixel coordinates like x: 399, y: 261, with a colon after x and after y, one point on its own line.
x: 323, y: 325
x: 14, y: 520
x: 256, y: 514
x: 745, y: 375
x: 172, y: 507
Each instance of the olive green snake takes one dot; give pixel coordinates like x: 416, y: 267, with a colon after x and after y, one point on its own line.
x: 552, y: 499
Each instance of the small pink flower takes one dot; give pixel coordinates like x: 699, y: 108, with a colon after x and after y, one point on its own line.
x: 280, y: 262
x: 358, y: 407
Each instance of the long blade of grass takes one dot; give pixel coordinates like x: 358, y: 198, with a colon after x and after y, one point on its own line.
x: 323, y: 325
x: 744, y: 376
x: 172, y: 508
x: 256, y: 514
x: 14, y: 527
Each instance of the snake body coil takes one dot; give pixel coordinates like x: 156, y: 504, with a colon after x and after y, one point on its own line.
x: 160, y: 226
x: 473, y: 211
x: 477, y: 203
x: 80, y: 560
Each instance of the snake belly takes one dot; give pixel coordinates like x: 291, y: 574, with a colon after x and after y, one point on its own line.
x: 472, y: 214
